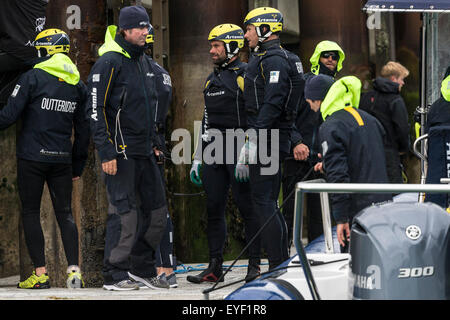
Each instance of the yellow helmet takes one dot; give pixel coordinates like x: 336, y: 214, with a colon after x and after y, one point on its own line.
x: 265, y: 16
x: 151, y: 35
x: 51, y: 41
x: 232, y: 36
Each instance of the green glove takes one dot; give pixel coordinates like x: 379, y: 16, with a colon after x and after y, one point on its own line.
x: 195, y: 173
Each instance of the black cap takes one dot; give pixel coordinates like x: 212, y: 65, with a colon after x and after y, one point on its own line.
x: 133, y: 17
x: 316, y: 87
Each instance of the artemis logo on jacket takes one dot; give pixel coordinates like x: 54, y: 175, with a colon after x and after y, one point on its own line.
x: 213, y: 94
x: 58, y: 105
x: 94, y: 104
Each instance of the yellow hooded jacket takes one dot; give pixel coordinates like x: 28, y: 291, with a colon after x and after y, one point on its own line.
x: 326, y: 46
x: 342, y: 94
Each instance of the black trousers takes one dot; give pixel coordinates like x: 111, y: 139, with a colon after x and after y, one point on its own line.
x: 265, y: 190
x: 393, y: 166
x: 293, y: 172
x: 31, y: 176
x: 164, y: 252
x: 217, y: 179
x: 137, y: 217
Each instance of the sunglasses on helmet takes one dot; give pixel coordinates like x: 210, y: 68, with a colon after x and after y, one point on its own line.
x: 333, y: 55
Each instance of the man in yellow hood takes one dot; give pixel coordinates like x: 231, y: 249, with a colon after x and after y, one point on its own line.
x: 352, y: 146
x: 328, y: 58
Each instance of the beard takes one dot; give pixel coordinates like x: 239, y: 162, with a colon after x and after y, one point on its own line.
x: 219, y: 61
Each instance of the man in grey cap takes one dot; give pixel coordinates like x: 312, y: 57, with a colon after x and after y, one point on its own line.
x: 123, y: 100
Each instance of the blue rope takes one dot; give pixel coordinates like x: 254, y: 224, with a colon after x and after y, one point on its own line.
x: 189, y: 268
x: 199, y: 267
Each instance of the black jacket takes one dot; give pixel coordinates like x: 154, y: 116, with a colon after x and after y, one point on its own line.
x: 49, y: 108
x: 273, y: 88
x: 20, y: 23
x: 224, y: 99
x: 386, y: 104
x: 439, y: 114
x: 353, y: 153
x: 122, y: 103
x: 224, y: 105
x: 306, y: 124
x: 163, y: 84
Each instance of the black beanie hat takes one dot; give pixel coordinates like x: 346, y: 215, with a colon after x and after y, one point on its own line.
x: 133, y: 17
x: 316, y: 87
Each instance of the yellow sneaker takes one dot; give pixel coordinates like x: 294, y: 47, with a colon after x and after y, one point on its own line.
x: 35, y: 282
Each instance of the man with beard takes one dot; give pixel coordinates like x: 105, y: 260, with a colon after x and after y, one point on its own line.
x: 327, y: 59
x: 122, y: 105
x: 224, y: 109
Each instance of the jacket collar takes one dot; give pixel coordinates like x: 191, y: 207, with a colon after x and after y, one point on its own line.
x: 134, y: 50
x: 269, y: 44
x: 385, y: 85
x: 230, y: 66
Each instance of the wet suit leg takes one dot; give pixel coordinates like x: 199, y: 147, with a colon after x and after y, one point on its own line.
x: 242, y: 197
x: 216, y: 182
x: 265, y: 190
x: 31, y: 176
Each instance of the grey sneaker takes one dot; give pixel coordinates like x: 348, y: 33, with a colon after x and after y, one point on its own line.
x: 142, y: 286
x: 123, y: 285
x: 172, y: 280
x: 152, y: 282
x: 74, y: 280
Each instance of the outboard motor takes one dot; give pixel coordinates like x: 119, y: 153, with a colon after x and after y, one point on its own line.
x: 400, y: 251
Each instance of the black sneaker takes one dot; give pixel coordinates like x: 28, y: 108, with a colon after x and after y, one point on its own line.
x: 211, y: 274
x: 171, y: 279
x: 253, y: 271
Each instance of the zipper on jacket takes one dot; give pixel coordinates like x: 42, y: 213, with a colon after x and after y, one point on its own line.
x: 146, y: 103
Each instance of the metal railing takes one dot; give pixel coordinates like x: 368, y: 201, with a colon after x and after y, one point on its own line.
x: 319, y: 186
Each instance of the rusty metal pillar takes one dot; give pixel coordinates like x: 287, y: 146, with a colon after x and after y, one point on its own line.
x: 191, y: 22
x: 85, y: 23
x: 9, y: 205
x: 160, y: 22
